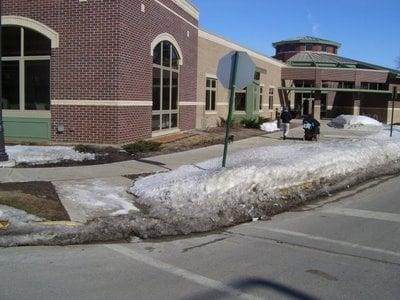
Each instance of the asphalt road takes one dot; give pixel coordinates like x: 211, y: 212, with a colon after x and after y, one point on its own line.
x: 346, y: 246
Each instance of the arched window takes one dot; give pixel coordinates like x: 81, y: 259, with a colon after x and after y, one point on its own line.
x: 26, y: 69
x: 165, y: 86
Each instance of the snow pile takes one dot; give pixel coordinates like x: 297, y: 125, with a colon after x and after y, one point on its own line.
x: 346, y: 121
x: 36, y: 155
x: 89, y: 199
x: 13, y: 215
x: 270, y: 126
x: 204, y: 196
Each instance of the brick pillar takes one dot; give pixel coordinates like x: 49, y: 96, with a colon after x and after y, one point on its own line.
x: 317, y: 105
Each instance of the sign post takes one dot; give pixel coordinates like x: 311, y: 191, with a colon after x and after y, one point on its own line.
x: 235, y: 72
x: 394, y: 96
x: 3, y: 154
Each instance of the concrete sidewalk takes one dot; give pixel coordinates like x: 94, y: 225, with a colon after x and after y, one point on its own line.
x: 164, y: 162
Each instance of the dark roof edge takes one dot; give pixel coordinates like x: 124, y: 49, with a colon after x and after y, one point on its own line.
x: 300, y: 40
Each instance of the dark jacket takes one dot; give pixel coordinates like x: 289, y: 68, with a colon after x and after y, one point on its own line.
x: 286, y: 117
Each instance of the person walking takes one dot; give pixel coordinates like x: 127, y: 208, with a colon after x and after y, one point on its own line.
x: 286, y: 117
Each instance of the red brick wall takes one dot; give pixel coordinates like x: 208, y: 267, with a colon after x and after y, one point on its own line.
x: 85, y: 124
x: 104, y: 54
x: 332, y: 74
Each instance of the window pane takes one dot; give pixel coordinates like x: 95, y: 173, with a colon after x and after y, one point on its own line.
x: 37, y: 85
x: 174, y: 100
x: 213, y: 97
x: 166, y: 90
x: 10, y: 99
x: 174, y: 120
x: 156, y: 88
x: 166, y: 54
x: 240, y: 101
x: 155, y: 125
x: 214, y: 83
x: 175, y: 58
x: 157, y: 55
x: 208, y: 107
x: 271, y: 102
x: 36, y: 43
x: 257, y: 76
x: 208, y: 84
x: 165, y: 121
x: 261, y: 100
x: 11, y: 41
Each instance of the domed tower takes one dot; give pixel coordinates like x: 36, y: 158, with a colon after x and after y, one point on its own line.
x: 285, y: 49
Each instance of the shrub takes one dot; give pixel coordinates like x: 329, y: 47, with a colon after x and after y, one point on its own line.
x: 235, y: 122
x: 252, y: 122
x: 142, y: 147
x: 84, y: 148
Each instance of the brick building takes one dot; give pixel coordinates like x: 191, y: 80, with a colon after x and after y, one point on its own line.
x: 316, y: 80
x: 118, y: 71
x: 110, y: 71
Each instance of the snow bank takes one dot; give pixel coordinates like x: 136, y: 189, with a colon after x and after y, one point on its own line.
x: 204, y: 196
x: 36, y: 155
x: 89, y: 199
x: 270, y: 126
x: 345, y: 121
x: 12, y: 215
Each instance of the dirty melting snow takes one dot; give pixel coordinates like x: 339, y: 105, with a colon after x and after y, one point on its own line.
x: 350, y: 121
x: 88, y: 199
x: 270, y: 126
x: 253, y: 177
x: 45, y: 154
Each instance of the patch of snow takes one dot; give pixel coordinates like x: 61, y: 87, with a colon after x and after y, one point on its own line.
x: 88, y: 199
x: 348, y: 121
x: 270, y: 126
x: 204, y: 192
x: 12, y: 215
x: 36, y: 155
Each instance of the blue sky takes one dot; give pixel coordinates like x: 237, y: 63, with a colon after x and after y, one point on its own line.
x: 369, y: 30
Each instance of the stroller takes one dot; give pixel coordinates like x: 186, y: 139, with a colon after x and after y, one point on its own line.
x: 311, y: 129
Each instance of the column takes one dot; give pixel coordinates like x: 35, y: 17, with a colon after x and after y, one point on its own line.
x: 356, y: 104
x: 317, y: 105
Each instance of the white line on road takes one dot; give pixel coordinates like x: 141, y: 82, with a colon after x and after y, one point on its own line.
x: 323, y: 239
x: 196, y: 278
x: 363, y: 214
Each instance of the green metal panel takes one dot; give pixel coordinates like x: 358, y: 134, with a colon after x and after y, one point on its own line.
x: 252, y: 100
x: 27, y: 128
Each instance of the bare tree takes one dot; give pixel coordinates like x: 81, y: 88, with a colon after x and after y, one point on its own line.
x: 398, y: 62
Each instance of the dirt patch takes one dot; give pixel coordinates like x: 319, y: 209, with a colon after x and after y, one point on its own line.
x: 36, y: 198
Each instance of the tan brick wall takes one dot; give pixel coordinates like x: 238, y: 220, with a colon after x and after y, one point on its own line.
x: 209, y: 54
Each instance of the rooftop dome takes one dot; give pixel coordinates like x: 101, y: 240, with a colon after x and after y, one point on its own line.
x: 307, y: 39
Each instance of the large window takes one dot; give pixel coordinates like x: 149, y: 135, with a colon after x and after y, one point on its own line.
x: 211, y: 94
x: 26, y: 69
x: 240, y: 100
x: 271, y: 98
x: 165, y: 86
x: 261, y: 97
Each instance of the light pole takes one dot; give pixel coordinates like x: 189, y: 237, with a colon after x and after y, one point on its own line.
x: 3, y: 154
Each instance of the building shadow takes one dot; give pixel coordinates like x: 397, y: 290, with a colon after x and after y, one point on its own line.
x: 248, y: 284
x: 154, y: 163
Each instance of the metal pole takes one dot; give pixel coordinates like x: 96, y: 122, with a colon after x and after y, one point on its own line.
x: 393, y: 99
x: 3, y: 154
x: 230, y: 111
